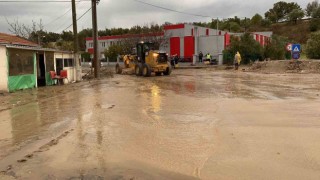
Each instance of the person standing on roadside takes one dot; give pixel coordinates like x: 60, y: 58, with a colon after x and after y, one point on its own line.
x: 237, y: 60
x: 200, y: 56
x: 209, y: 57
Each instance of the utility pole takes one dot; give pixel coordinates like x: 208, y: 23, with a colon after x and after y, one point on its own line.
x: 96, y: 60
x: 76, y: 40
x: 217, y: 26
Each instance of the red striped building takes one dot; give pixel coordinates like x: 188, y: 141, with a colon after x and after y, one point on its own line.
x: 184, y: 40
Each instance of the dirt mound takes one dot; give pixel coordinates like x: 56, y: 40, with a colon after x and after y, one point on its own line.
x: 104, y: 72
x: 286, y: 66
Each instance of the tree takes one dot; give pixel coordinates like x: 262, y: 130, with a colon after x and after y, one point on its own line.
x: 82, y: 35
x: 311, y: 7
x: 280, y: 10
x: 313, y: 46
x: 249, y: 48
x: 31, y: 33
x: 67, y: 36
x: 275, y: 49
x: 256, y: 20
x: 234, y: 27
x: 295, y: 15
x: 113, y: 51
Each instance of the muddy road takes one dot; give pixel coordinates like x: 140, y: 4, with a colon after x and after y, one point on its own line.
x: 195, y: 124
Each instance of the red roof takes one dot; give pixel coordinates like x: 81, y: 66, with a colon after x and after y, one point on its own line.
x: 13, y: 39
x: 171, y: 27
x: 126, y: 36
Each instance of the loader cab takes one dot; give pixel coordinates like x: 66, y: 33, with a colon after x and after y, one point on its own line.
x: 143, y: 49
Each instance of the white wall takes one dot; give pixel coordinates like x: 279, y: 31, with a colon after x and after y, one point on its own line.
x: 182, y: 46
x: 211, y: 44
x: 3, y: 69
x: 175, y: 33
x: 267, y: 33
x: 71, y: 70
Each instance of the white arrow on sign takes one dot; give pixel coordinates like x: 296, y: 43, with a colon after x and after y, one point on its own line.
x: 296, y: 49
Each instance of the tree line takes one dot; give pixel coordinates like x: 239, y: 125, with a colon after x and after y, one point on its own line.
x: 289, y: 12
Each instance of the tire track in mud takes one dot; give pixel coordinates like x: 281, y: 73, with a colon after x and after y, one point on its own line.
x: 9, y: 171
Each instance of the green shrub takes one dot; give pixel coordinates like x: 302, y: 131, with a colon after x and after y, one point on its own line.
x: 249, y: 49
x: 275, y: 49
x: 314, y: 25
x: 313, y: 46
x: 112, y: 52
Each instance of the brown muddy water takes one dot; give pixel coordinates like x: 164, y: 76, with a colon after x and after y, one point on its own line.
x: 194, y: 124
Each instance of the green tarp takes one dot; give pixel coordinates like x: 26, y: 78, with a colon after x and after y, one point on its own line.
x: 22, y: 82
x: 49, y: 81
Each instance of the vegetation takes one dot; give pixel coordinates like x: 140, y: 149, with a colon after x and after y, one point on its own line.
x: 281, y: 10
x: 283, y: 19
x: 112, y: 52
x: 275, y: 49
x: 249, y: 49
x: 313, y: 46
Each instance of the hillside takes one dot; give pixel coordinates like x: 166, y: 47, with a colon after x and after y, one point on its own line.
x: 298, y: 33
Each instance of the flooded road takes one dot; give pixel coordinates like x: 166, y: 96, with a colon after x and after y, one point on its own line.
x: 195, y: 124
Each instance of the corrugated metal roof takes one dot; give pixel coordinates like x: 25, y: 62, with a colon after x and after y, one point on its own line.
x: 36, y: 48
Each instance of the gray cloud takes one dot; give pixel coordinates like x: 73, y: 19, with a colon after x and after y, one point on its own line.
x: 127, y: 13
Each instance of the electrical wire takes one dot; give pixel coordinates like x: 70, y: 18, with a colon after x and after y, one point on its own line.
x: 164, y: 8
x: 79, y: 18
x: 60, y: 16
x: 40, y: 1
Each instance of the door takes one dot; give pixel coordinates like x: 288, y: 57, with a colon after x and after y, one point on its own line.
x: 59, y: 65
x: 41, y: 78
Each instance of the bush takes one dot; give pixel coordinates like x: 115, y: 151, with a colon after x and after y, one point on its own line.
x: 313, y: 46
x: 112, y: 52
x: 249, y: 49
x: 314, y: 25
x: 86, y: 56
x: 275, y: 49
x: 228, y: 57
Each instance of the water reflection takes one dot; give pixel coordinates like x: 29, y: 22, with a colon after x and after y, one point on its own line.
x: 25, y: 122
x: 155, y: 98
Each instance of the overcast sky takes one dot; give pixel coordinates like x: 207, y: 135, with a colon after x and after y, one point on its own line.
x: 127, y: 13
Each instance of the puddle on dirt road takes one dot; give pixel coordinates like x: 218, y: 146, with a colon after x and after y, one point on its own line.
x: 141, y: 127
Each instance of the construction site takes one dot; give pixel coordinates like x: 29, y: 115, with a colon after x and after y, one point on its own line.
x: 225, y: 99
x: 260, y: 122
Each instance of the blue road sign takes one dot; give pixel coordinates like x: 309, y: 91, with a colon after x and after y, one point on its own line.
x: 296, y: 48
x: 295, y: 55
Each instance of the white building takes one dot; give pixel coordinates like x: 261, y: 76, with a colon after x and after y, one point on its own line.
x: 185, y: 40
x: 24, y: 64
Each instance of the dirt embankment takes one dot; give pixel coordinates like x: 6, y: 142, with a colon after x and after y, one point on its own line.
x: 286, y: 66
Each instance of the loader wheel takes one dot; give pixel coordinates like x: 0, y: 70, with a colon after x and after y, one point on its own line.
x: 146, y: 71
x: 138, y: 69
x: 158, y: 73
x: 167, y: 72
x: 118, y: 69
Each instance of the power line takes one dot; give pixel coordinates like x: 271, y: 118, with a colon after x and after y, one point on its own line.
x: 160, y: 7
x: 60, y: 16
x: 79, y: 18
x: 41, y: 1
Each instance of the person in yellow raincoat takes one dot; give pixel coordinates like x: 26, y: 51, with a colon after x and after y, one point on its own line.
x: 237, y: 60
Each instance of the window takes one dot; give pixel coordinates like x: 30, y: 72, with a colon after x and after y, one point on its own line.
x: 68, y: 62
x: 103, y: 44
x: 111, y: 43
x: 90, y: 45
x: 21, y: 62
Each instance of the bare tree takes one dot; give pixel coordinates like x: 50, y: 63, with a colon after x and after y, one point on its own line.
x: 25, y: 31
